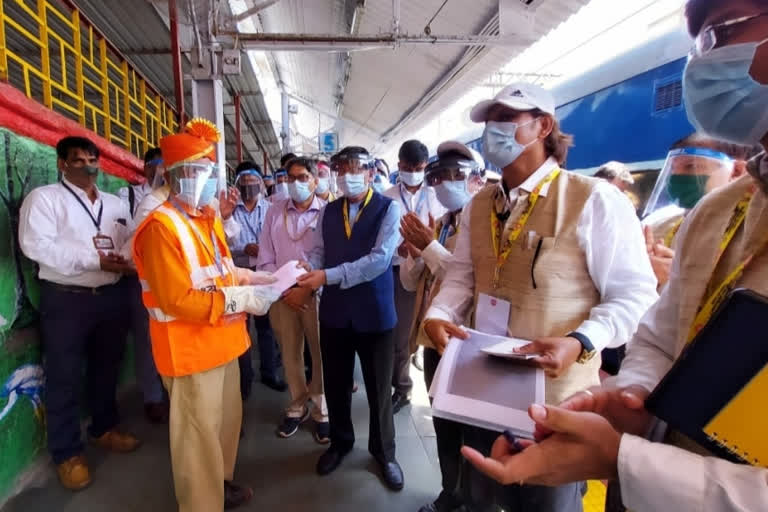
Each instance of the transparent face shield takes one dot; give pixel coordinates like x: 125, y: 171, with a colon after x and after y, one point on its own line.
x: 251, y: 185
x: 195, y: 184
x: 449, y: 176
x: 688, y: 174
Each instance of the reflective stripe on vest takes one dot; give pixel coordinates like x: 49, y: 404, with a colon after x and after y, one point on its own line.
x: 157, y: 315
x: 202, y: 277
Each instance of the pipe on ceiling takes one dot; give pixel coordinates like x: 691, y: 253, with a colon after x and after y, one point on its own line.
x: 238, y: 129
x: 178, y: 79
x: 253, y: 10
x: 335, y: 42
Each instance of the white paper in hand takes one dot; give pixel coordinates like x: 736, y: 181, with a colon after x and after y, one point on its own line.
x: 506, y: 349
x: 286, y: 276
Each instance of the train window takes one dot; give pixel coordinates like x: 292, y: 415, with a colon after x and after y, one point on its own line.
x: 668, y: 94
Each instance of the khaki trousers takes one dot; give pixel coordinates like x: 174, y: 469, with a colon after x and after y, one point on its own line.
x: 205, y: 418
x: 291, y: 329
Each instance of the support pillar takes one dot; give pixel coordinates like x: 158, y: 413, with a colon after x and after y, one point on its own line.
x: 285, y: 133
x: 208, y: 103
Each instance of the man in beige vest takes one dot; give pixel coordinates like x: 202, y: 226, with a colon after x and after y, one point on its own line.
x: 676, y: 475
x: 563, y: 252
x: 430, y: 249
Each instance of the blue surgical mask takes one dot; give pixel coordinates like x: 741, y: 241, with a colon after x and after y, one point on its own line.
x: 453, y: 195
x: 352, y: 185
x: 299, y: 191
x: 193, y: 194
x: 412, y: 179
x: 280, y: 191
x: 721, y: 97
x: 500, y: 143
x: 323, y: 185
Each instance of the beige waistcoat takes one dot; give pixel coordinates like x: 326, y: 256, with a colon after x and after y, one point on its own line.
x: 427, y: 289
x: 697, y: 251
x: 564, y: 293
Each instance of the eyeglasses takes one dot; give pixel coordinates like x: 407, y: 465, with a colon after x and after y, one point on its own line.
x: 303, y: 178
x: 717, y: 35
x: 435, y: 178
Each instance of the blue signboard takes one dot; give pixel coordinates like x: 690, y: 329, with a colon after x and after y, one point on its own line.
x: 329, y: 142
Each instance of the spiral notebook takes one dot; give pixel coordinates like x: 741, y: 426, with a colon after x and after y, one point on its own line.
x: 717, y: 391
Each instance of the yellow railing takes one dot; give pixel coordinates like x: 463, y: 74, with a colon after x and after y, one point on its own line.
x: 55, y: 56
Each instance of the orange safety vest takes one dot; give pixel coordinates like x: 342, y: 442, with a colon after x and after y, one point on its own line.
x: 181, y: 347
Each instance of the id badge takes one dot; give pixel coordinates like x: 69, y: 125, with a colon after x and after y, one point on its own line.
x: 103, y: 243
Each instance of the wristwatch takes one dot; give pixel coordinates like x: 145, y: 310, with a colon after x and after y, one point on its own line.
x: 587, y: 348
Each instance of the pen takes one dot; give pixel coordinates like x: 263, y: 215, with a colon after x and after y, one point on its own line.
x: 511, y: 439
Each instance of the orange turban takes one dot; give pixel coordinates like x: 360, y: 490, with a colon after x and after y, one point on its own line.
x: 198, y: 140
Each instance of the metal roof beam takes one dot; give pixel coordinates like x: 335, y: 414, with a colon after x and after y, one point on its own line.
x: 341, y: 42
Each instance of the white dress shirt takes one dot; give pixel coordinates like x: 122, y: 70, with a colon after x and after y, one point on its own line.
x: 57, y: 232
x: 423, y: 203
x: 656, y: 476
x: 139, y: 193
x: 612, y: 240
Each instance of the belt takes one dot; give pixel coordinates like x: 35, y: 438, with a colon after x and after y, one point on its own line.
x: 71, y: 288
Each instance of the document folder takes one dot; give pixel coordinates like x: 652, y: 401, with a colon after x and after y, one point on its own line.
x: 717, y: 391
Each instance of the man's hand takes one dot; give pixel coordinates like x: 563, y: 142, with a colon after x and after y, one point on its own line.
x: 584, y: 446
x: 305, y: 265
x: 441, y: 331
x: 297, y: 298
x: 415, y: 232
x: 661, y: 262
x: 624, y: 408
x: 227, y: 202
x: 554, y: 355
x: 402, y: 250
x: 312, y: 280
x: 650, y: 240
x: 252, y: 250
x: 112, y: 262
x: 413, y: 252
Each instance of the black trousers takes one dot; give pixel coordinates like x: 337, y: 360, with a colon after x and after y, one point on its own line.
x: 450, y: 438
x: 376, y: 351
x: 81, y: 331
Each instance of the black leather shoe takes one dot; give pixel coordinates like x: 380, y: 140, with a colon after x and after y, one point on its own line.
x: 275, y: 383
x: 329, y: 461
x: 236, y: 495
x: 444, y: 503
x: 399, y: 400
x: 393, y: 475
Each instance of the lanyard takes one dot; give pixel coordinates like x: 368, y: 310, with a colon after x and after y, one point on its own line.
x: 345, y: 212
x: 256, y: 234
x: 497, y: 229
x: 196, y: 230
x: 670, y: 237
x: 419, y: 203
x: 442, y: 234
x: 96, y: 220
x: 306, y: 229
x: 711, y: 303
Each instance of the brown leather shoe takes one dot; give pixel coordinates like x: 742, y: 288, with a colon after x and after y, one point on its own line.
x: 73, y: 473
x: 236, y: 495
x: 116, y: 441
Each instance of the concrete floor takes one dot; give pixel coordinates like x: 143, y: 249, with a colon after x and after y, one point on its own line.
x: 281, y: 471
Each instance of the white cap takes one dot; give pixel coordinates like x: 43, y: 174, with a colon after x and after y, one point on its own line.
x: 462, y: 149
x: 520, y: 96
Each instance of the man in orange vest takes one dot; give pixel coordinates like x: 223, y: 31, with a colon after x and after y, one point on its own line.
x: 197, y: 301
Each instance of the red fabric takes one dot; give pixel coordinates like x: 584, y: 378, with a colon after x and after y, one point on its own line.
x: 28, y: 118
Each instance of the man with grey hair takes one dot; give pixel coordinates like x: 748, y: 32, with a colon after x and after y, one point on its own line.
x: 616, y: 173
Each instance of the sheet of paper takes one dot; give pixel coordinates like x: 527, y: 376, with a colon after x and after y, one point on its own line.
x: 492, y: 315
x: 506, y: 349
x: 286, y: 276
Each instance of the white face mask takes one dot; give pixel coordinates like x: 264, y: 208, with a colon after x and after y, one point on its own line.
x: 281, y: 191
x: 500, y: 142
x: 412, y: 179
x: 323, y: 185
x: 352, y: 185
x: 453, y: 195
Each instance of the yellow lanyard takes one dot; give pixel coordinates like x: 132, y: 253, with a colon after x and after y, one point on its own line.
x: 716, y: 298
x: 442, y: 230
x: 670, y: 237
x: 345, y: 211
x: 497, y: 229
